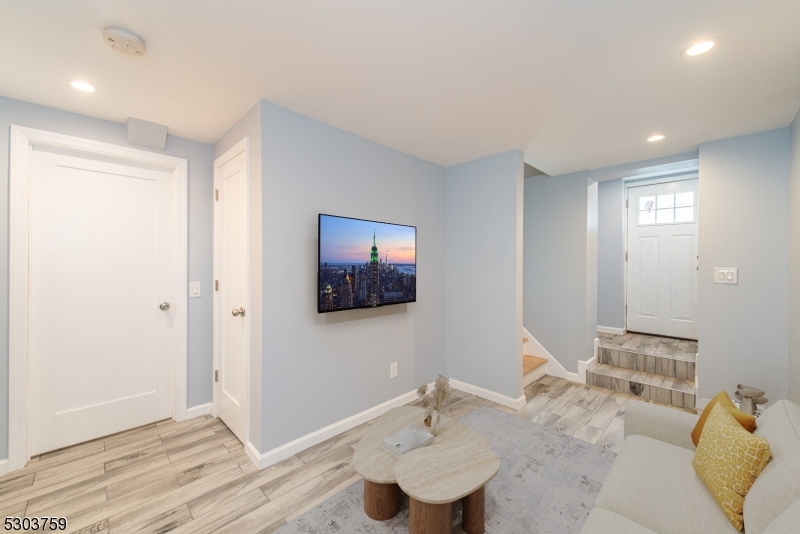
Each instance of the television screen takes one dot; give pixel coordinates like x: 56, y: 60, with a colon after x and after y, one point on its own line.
x: 365, y: 264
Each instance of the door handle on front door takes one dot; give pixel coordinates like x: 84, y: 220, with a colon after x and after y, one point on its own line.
x: 164, y: 306
x: 237, y: 313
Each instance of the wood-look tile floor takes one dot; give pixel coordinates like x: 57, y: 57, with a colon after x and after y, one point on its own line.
x: 194, y: 476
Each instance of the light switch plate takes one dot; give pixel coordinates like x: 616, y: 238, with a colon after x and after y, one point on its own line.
x: 393, y: 370
x: 726, y: 275
x: 194, y: 289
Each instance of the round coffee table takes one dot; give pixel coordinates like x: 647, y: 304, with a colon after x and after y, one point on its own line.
x: 457, y: 465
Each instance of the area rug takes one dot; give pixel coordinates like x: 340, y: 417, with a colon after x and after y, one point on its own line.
x: 547, y: 484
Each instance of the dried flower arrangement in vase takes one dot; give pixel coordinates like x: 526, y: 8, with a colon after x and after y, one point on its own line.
x: 434, y: 401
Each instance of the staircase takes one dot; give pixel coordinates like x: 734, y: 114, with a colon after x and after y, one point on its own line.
x: 533, y: 367
x: 650, y: 367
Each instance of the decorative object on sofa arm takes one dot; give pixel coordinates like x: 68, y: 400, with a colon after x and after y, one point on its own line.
x: 749, y: 397
x: 434, y: 401
x: 728, y: 461
x: 747, y: 420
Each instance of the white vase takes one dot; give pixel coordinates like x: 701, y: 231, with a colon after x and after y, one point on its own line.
x: 435, y: 422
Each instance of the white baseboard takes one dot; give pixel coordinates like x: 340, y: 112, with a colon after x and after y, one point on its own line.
x: 537, y: 349
x: 580, y: 376
x: 487, y: 394
x: 271, y: 457
x: 612, y: 330
x: 3, y: 466
x: 534, y: 375
x: 574, y: 377
x: 255, y: 456
x: 197, y: 411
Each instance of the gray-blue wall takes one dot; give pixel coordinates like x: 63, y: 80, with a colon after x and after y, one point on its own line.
x: 321, y: 368
x: 557, y: 304
x: 484, y: 272
x: 794, y: 264
x: 743, y: 221
x: 199, y: 156
x: 611, y: 254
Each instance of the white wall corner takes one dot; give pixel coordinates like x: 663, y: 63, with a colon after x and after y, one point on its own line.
x: 3, y: 467
x: 612, y: 330
x: 197, y: 411
x: 490, y: 395
x: 537, y: 349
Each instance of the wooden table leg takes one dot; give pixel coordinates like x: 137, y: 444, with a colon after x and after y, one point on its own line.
x: 381, y: 501
x: 424, y: 518
x: 473, y: 511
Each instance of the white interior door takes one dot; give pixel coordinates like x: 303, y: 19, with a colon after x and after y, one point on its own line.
x: 662, y: 259
x: 231, y: 297
x: 102, y: 253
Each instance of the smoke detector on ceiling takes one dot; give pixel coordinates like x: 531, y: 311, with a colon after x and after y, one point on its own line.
x: 124, y: 41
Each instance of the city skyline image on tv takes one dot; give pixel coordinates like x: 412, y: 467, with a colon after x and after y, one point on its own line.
x: 365, y: 264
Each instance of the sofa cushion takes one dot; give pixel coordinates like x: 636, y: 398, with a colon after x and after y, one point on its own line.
x: 728, y: 460
x: 652, y: 483
x: 747, y: 421
x: 786, y: 523
x: 778, y: 486
x: 602, y: 521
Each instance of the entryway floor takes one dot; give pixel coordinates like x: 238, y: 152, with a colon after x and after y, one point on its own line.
x: 681, y: 349
x: 195, y: 477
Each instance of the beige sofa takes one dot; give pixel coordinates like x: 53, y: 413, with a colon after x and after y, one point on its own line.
x: 652, y: 487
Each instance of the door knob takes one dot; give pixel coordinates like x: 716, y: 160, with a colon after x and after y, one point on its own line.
x: 237, y: 313
x: 164, y: 306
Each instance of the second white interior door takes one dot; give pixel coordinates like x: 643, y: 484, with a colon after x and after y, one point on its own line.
x: 662, y: 259
x: 231, y: 223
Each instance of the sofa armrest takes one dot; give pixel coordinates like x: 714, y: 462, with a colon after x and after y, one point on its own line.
x: 661, y: 423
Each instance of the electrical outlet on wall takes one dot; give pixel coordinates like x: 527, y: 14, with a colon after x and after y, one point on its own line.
x: 393, y: 370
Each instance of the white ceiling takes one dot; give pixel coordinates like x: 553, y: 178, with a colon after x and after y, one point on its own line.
x: 576, y: 84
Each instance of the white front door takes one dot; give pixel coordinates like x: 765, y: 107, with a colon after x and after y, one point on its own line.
x: 662, y: 259
x: 231, y: 223
x: 102, y: 253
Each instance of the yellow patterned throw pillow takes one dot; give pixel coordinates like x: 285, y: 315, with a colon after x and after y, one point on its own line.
x: 728, y: 460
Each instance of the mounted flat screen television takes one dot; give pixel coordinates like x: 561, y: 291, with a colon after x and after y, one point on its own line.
x: 365, y: 264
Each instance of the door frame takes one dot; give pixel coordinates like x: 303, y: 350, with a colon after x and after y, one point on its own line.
x: 235, y: 150
x: 639, y: 182
x: 23, y: 140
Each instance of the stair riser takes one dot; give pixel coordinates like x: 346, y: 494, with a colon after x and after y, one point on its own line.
x: 649, y: 364
x: 645, y: 391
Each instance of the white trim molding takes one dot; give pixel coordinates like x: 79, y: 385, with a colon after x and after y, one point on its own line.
x: 21, y: 144
x: 3, y: 467
x: 580, y: 376
x: 611, y: 330
x: 271, y: 457
x: 537, y: 349
x: 534, y: 375
x: 199, y: 410
x: 487, y: 394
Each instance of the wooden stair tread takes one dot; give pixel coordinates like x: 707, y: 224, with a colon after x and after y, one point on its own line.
x: 641, y: 377
x: 531, y: 363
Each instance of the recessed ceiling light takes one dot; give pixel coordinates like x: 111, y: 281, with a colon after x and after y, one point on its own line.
x: 657, y: 137
x: 700, y: 47
x: 83, y: 86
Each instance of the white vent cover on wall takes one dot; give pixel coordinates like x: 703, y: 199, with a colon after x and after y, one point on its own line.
x: 124, y: 41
